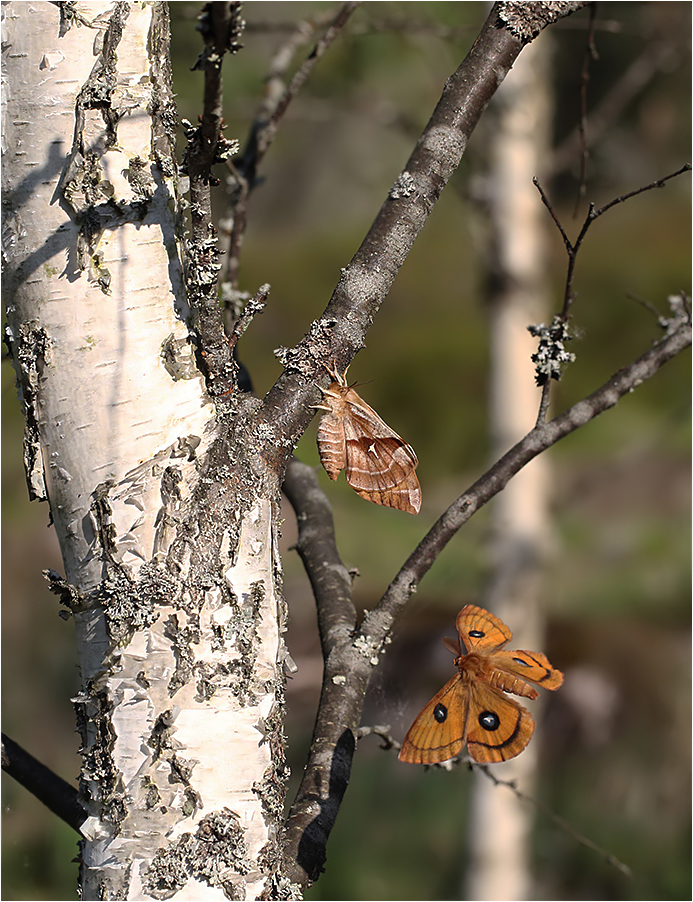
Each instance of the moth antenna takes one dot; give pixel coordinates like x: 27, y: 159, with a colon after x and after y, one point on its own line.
x: 452, y: 645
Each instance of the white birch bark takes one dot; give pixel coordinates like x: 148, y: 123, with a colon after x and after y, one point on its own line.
x: 180, y: 659
x: 499, y: 862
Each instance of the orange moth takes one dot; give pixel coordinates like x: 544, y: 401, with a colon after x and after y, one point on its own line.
x: 380, y: 466
x: 473, y: 707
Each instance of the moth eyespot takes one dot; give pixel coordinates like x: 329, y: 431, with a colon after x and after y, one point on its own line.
x: 440, y: 712
x: 521, y: 661
x: 489, y: 720
x: 476, y: 634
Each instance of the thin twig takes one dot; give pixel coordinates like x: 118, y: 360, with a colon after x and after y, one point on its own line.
x: 594, y: 213
x: 254, y: 306
x: 559, y: 325
x: 556, y: 818
x: 389, y: 742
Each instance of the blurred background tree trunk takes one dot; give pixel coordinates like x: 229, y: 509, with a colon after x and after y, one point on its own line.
x: 516, y: 134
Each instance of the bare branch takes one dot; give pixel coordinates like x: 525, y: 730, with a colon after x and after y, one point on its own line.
x: 365, y: 282
x: 317, y: 546
x: 221, y: 26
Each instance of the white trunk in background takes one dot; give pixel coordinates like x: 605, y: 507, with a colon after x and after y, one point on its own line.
x: 180, y: 700
x: 499, y: 862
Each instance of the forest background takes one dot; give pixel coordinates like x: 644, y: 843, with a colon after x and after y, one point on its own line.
x: 615, y: 757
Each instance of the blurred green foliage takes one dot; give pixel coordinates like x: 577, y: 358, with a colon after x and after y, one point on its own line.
x: 619, y: 584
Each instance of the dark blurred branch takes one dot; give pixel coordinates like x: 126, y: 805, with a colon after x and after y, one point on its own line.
x: 340, y: 332
x: 653, y: 59
x: 589, y: 56
x: 55, y: 793
x: 244, y: 169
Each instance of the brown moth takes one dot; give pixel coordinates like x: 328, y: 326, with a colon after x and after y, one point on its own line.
x: 380, y: 466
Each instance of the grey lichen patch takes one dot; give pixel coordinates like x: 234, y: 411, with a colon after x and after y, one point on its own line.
x: 216, y: 853
x: 243, y: 634
x: 152, y: 794
x: 209, y: 678
x: 271, y: 790
x: 405, y: 186
x: 140, y: 179
x: 368, y: 648
x: 178, y: 355
x: 182, y: 639
x: 165, y: 748
x: 68, y: 595
x: 168, y: 873
x: 316, y: 346
x: 551, y: 355
x: 527, y: 20
x: 129, y: 604
x: 133, y: 605
x: 160, y: 739
x: 30, y: 352
x: 280, y: 887
x: 162, y: 104
x: 220, y: 848
x: 99, y: 774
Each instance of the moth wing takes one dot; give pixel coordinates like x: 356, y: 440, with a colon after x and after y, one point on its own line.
x: 528, y: 665
x: 374, y: 450
x: 439, y: 730
x: 498, y: 728
x: 481, y: 631
x: 331, y: 445
x: 405, y: 496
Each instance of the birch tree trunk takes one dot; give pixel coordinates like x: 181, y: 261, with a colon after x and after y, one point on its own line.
x: 172, y: 576
x: 499, y: 865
